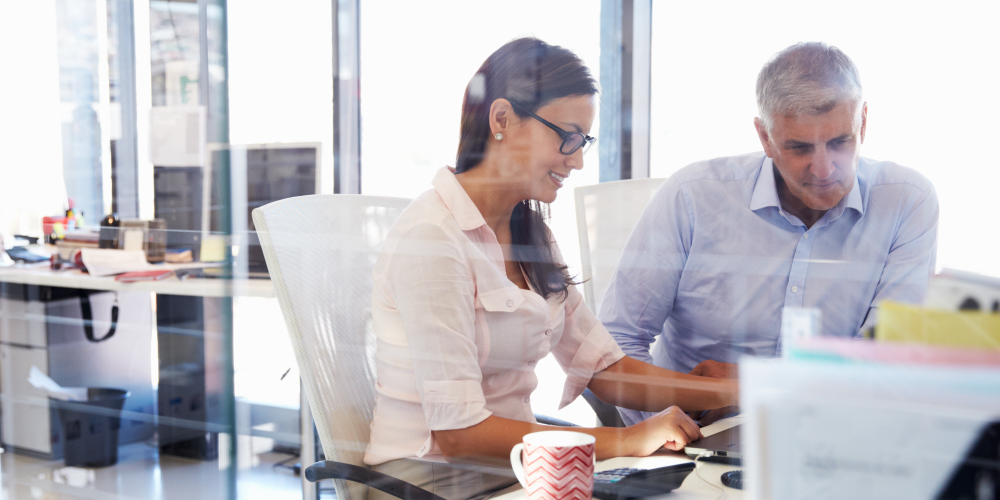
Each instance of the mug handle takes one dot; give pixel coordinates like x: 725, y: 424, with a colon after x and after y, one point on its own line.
x: 515, y: 463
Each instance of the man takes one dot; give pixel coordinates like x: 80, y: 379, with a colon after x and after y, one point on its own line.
x: 725, y: 244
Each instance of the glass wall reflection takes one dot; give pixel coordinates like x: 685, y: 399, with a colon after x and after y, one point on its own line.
x: 192, y: 305
x: 116, y: 330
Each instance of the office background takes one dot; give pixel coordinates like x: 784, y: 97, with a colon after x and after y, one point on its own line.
x: 377, y: 86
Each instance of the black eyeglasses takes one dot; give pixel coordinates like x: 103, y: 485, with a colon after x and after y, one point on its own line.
x: 572, y: 141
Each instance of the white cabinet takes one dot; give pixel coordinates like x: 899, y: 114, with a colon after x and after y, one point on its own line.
x: 26, y: 415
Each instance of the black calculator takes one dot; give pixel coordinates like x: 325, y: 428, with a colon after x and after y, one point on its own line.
x: 628, y: 484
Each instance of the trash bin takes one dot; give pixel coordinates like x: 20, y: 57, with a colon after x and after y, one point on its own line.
x: 90, y: 428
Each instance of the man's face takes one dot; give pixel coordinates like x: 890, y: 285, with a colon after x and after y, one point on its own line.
x: 817, y: 155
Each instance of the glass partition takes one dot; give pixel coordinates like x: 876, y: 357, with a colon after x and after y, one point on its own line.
x: 116, y: 346
x: 166, y: 267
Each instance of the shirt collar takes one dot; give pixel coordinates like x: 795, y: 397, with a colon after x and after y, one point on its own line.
x: 457, y: 200
x: 854, y: 197
x: 765, y: 191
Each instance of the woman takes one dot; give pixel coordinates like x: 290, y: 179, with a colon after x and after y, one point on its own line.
x: 470, y: 292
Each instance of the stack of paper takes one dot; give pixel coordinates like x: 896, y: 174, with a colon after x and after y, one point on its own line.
x: 106, y: 262
x: 861, y: 351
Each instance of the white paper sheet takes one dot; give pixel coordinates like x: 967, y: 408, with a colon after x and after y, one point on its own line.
x: 107, y: 262
x: 861, y: 431
x: 721, y: 425
x: 177, y: 136
x: 42, y: 381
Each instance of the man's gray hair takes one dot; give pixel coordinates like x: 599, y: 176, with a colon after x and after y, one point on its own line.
x: 809, y: 78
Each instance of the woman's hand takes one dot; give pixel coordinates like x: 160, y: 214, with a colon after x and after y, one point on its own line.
x: 671, y: 429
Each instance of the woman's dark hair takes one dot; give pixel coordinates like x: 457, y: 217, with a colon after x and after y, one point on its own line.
x: 532, y: 73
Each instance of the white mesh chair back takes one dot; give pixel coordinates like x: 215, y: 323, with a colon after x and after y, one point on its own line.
x: 605, y: 216
x: 320, y: 253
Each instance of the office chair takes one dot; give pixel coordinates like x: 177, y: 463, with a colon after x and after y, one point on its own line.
x: 320, y: 252
x: 605, y: 216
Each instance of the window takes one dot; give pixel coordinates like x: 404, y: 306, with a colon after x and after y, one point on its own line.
x: 279, y: 92
x: 928, y: 76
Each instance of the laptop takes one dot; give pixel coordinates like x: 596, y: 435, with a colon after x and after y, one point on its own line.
x: 724, y: 446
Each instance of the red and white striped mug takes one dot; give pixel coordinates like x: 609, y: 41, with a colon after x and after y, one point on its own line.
x: 557, y: 465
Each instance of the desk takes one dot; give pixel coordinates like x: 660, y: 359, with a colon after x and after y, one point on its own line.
x: 191, y: 287
x: 192, y: 340
x: 693, y: 487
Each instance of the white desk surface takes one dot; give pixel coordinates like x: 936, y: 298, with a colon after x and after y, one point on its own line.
x: 196, y: 287
x: 692, y: 488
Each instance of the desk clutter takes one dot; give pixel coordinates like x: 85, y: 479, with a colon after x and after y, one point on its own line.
x: 68, y: 234
x: 627, y: 483
x: 913, y: 412
x: 130, y: 249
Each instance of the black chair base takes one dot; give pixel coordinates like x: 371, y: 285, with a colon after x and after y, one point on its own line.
x: 388, y: 484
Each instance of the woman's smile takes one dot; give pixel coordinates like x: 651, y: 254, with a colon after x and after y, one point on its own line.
x: 557, y: 179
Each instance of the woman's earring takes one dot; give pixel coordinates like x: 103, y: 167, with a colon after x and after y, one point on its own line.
x: 499, y: 136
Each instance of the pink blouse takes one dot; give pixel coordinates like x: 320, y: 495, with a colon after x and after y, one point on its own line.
x: 456, y: 340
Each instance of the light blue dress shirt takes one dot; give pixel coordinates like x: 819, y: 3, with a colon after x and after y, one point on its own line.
x: 714, y: 259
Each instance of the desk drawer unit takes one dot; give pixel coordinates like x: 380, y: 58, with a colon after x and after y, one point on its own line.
x: 43, y: 327
x: 26, y: 414
x: 22, y: 322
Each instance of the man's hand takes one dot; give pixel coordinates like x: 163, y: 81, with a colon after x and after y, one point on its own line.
x: 712, y: 416
x: 715, y: 369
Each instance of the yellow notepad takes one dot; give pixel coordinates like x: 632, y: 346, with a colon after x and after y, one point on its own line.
x: 906, y: 323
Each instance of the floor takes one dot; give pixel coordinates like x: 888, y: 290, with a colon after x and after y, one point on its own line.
x: 141, y: 474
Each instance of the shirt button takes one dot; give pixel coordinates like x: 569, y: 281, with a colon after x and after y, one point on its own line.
x: 548, y: 332
x: 806, y: 236
x: 795, y: 289
x: 510, y: 303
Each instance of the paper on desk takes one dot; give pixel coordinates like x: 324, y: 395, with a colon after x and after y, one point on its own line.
x: 106, y: 262
x: 42, y: 381
x: 863, y: 430
x: 721, y: 425
x: 846, y: 350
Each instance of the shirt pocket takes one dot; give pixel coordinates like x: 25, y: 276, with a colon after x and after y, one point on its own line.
x: 506, y: 299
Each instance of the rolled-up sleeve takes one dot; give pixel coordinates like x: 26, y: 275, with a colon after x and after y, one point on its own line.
x: 434, y: 292
x: 585, y: 348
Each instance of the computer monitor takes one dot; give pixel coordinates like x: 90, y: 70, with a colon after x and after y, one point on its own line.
x: 269, y: 172
x: 963, y: 291
x: 189, y: 199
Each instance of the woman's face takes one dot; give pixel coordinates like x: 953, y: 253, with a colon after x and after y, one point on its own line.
x: 537, y: 168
